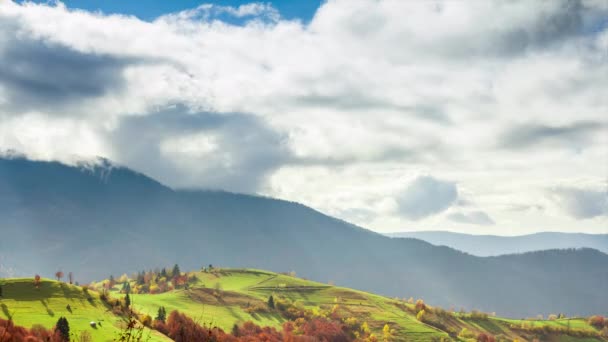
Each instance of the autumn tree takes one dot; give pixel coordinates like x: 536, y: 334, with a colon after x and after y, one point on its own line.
x: 59, y: 275
x: 483, y: 337
x: 37, y: 281
x: 420, y: 305
x: 62, y: 328
x: 597, y: 321
x: 387, y: 333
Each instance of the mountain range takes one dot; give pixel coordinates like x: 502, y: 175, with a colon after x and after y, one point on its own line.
x: 97, y: 218
x: 492, y: 245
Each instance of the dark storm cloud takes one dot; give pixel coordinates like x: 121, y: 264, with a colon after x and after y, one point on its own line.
x: 426, y: 196
x: 474, y: 217
x: 247, y: 149
x: 581, y: 203
x: 36, y: 74
x: 575, y: 135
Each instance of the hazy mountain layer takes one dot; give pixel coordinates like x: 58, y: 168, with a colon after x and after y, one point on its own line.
x: 490, y: 245
x: 99, y: 219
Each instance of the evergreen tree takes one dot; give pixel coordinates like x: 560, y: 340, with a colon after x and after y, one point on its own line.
x: 127, y: 300
x: 162, y: 314
x: 63, y: 327
x: 0, y: 291
x: 271, y: 302
x: 236, y: 332
x: 176, y: 271
x: 163, y: 272
x: 140, y: 278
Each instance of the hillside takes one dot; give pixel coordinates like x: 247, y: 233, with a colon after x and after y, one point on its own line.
x: 27, y: 305
x: 228, y: 297
x: 493, y: 245
x: 96, y: 219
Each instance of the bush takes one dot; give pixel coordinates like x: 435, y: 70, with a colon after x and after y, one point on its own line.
x: 145, y: 319
x: 597, y: 321
x: 483, y: 337
x: 420, y: 305
x: 420, y: 315
x: 466, y: 334
x: 478, y: 315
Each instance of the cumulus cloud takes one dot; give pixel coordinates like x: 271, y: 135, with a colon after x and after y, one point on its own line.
x: 574, y: 135
x: 473, y: 217
x: 581, y: 203
x: 426, y: 196
x: 229, y: 151
x: 504, y: 98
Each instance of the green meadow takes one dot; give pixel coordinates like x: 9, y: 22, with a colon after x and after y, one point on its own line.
x: 27, y: 305
x: 225, y: 297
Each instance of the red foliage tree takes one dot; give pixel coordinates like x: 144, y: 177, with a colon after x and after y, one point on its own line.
x: 37, y: 281
x: 598, y: 321
x: 9, y: 332
x: 59, y: 275
x: 483, y: 337
x: 325, y: 330
x: 182, y: 328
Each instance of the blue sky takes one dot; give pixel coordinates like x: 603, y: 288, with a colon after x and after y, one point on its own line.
x: 150, y: 9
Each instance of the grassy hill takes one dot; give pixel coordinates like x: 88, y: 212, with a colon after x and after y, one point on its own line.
x: 225, y: 297
x: 28, y: 305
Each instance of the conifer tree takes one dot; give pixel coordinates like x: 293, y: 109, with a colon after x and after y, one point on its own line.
x: 162, y: 314
x: 63, y: 327
x: 176, y: 271
x: 271, y: 302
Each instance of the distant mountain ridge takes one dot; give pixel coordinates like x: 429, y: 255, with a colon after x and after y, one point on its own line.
x: 493, y: 245
x: 101, y: 219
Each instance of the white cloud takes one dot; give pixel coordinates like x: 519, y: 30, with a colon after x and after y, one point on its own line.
x: 426, y: 196
x: 504, y: 98
x: 581, y: 203
x: 473, y: 217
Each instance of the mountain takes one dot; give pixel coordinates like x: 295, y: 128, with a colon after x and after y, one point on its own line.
x: 491, y: 245
x: 96, y: 219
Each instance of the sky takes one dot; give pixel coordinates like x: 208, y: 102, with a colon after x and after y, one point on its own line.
x: 482, y: 117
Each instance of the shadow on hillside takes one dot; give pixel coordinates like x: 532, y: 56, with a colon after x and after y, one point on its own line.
x: 67, y: 294
x: 6, y: 312
x: 46, y: 306
x: 266, y: 315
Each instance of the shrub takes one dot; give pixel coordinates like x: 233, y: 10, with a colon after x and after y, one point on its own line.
x: 475, y: 314
x: 597, y: 321
x: 420, y: 305
x: 466, y: 334
x: 420, y: 315
x: 483, y: 337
